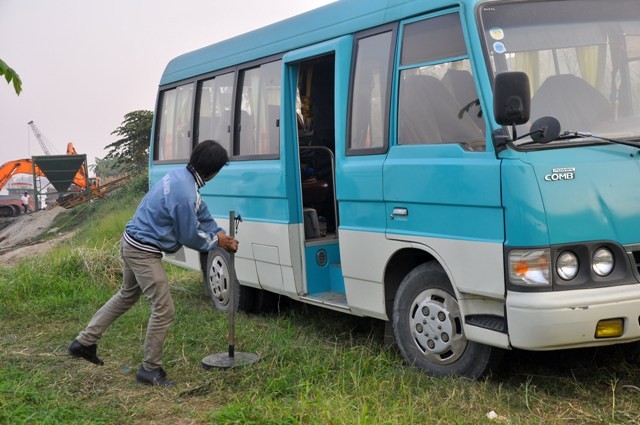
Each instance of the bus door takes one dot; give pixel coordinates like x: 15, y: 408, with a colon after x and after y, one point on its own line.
x: 365, y: 251
x: 314, y: 99
x: 441, y: 183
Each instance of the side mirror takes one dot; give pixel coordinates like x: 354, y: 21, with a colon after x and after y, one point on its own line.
x: 511, y: 98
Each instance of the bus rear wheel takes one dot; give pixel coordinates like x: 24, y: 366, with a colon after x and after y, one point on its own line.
x: 427, y: 326
x: 218, y: 280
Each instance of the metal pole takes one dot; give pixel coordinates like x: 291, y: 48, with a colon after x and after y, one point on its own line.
x: 232, y: 280
x: 36, y: 193
x: 230, y: 359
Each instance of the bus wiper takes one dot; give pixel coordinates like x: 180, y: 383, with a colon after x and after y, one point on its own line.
x: 567, y: 135
x: 579, y: 134
x: 547, y: 129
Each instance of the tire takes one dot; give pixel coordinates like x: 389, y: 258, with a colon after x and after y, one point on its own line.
x: 266, y: 301
x: 217, y: 281
x: 427, y: 327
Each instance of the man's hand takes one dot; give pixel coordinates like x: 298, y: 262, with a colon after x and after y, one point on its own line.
x: 228, y: 243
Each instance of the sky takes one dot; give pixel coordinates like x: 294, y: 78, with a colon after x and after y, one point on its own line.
x: 84, y: 64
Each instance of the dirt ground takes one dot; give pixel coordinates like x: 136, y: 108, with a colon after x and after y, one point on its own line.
x: 17, y: 239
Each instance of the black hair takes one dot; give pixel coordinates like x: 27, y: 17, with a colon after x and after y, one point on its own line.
x: 208, y: 158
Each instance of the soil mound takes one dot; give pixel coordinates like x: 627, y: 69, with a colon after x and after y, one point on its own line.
x: 18, y: 237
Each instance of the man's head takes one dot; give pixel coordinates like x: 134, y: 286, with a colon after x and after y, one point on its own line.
x: 208, y: 158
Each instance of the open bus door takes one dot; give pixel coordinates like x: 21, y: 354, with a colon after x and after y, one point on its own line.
x: 315, y: 109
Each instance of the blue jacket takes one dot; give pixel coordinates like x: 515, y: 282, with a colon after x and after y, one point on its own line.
x: 172, y: 214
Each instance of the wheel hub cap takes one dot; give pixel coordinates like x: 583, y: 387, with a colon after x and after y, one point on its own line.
x: 219, y: 280
x: 437, y: 327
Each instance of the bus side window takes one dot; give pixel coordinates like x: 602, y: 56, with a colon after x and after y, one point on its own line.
x: 214, y: 118
x: 437, y: 100
x: 259, y: 110
x: 369, y: 107
x: 173, y: 138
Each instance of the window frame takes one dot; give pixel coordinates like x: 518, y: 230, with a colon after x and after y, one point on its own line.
x: 156, y: 125
x: 393, y: 28
x: 237, y: 100
x: 399, y: 68
x: 196, y: 112
x: 195, y: 109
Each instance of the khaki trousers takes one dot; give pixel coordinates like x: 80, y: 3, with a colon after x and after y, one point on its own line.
x: 143, y: 273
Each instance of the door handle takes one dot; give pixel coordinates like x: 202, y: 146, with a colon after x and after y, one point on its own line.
x: 401, y: 212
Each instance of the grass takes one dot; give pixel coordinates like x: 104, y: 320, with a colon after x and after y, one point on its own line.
x: 316, y: 367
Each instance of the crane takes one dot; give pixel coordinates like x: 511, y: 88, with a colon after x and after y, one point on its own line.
x: 41, y: 139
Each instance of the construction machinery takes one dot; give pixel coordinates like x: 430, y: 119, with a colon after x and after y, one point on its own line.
x: 11, y: 207
x: 40, y: 137
x: 82, y: 188
x: 81, y: 176
x: 73, y: 199
x: 78, y: 191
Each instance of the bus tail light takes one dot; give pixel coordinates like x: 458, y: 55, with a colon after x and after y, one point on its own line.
x: 529, y: 267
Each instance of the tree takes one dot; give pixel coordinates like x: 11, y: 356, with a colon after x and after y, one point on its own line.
x: 11, y: 75
x: 105, y: 168
x: 131, y: 150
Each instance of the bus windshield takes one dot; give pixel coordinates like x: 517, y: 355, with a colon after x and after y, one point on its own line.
x: 582, y: 58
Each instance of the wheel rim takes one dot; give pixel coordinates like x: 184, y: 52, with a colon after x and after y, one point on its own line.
x: 219, y: 280
x: 436, y: 326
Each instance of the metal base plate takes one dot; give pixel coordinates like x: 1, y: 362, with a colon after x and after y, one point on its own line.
x: 224, y: 361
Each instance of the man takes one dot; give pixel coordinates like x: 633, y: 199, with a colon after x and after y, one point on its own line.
x: 25, y: 202
x: 171, y: 215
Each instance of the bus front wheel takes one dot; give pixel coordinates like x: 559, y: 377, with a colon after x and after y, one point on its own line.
x: 218, y: 280
x: 427, y: 326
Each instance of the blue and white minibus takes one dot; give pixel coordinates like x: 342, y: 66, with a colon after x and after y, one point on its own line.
x: 468, y: 171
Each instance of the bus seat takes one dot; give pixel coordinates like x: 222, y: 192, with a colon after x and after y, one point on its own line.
x: 574, y: 102
x: 314, y: 192
x: 428, y: 113
x: 460, y: 84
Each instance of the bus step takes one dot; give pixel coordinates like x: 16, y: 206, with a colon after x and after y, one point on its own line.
x: 329, y: 299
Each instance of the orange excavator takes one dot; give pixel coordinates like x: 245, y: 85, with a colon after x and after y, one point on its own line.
x: 25, y: 166
x: 11, y: 207
x: 19, y: 166
x: 81, y: 176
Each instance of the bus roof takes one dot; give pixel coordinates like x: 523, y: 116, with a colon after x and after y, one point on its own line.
x: 327, y: 22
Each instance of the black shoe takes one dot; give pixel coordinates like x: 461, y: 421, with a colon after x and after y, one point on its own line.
x: 88, y: 353
x: 153, y: 377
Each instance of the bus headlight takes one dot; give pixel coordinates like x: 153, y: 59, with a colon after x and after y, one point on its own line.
x: 529, y: 267
x: 567, y: 265
x: 602, y: 262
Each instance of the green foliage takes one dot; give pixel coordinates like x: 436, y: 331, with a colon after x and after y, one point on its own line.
x: 107, y: 167
x: 11, y: 76
x: 131, y: 150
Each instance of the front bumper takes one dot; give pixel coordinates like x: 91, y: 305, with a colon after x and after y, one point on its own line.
x: 567, y: 319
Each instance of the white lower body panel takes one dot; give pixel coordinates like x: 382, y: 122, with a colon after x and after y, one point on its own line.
x: 567, y: 319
